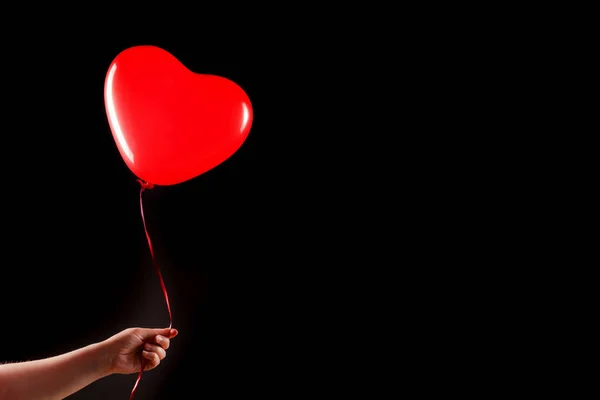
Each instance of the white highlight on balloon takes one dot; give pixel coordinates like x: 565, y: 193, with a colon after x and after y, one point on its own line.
x: 112, y: 114
x: 245, y: 117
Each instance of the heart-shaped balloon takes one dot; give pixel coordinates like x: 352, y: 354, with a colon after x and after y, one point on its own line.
x: 169, y: 123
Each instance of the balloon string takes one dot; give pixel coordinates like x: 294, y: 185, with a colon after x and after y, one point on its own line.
x: 147, y: 185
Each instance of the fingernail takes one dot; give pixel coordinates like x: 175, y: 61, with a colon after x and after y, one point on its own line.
x: 174, y: 332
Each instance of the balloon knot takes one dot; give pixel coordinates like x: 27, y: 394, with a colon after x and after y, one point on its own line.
x: 146, y: 185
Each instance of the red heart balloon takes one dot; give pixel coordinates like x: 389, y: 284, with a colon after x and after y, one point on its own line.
x: 169, y: 123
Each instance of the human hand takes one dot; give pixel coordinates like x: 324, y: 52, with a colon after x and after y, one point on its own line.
x: 123, y: 349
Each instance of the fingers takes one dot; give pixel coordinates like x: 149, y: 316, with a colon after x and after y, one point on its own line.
x: 162, y: 341
x: 152, y: 359
x: 152, y: 348
x: 155, y: 352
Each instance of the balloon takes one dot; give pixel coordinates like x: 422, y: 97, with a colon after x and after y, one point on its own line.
x: 169, y: 123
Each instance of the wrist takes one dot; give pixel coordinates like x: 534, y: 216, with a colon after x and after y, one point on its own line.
x: 102, y: 358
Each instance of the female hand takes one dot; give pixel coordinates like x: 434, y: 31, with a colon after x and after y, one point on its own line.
x: 124, y: 349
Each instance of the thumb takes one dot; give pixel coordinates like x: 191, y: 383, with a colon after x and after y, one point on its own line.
x: 150, y: 333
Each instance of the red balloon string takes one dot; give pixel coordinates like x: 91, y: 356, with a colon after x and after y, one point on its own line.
x: 147, y: 185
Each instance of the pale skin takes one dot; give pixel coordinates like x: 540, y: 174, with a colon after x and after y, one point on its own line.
x: 57, y: 377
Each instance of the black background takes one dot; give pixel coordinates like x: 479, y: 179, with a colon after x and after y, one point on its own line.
x: 345, y: 172
x: 76, y: 264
